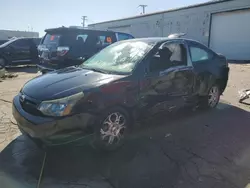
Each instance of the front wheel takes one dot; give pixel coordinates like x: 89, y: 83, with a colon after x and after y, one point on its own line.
x: 112, y: 129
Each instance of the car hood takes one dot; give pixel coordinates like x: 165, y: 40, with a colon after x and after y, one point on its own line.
x: 65, y: 82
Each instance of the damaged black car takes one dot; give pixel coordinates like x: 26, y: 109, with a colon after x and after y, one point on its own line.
x: 122, y: 83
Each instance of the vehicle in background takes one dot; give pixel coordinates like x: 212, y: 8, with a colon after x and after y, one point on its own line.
x: 69, y: 46
x: 19, y: 51
x: 124, y: 82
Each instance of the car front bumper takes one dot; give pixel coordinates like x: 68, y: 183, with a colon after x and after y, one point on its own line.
x: 52, y: 131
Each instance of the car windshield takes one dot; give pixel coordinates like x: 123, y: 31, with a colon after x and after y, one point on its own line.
x: 120, y: 57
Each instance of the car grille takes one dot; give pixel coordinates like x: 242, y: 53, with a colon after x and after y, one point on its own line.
x: 30, y: 106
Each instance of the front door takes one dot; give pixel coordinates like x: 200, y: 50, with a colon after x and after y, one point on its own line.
x: 20, y: 51
x: 170, y: 79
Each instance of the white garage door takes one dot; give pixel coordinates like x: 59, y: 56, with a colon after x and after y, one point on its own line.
x: 230, y: 34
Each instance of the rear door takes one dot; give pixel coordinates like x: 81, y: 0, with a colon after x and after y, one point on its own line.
x: 19, y: 51
x: 206, y: 66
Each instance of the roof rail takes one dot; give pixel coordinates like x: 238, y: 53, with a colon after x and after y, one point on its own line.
x: 176, y: 35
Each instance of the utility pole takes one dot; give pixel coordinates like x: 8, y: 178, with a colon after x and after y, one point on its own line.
x: 143, y: 8
x: 84, y: 18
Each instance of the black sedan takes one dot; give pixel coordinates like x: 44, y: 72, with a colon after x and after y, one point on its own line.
x: 124, y: 82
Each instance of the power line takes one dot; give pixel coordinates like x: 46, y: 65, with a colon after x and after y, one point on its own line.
x: 84, y: 19
x: 143, y: 8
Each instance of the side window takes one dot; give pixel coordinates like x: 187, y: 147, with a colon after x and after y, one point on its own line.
x: 99, y: 39
x: 80, y: 40
x: 177, y: 53
x: 124, y: 36
x: 171, y: 55
x: 20, y: 44
x: 199, y: 54
x: 105, y: 40
x: 82, y: 37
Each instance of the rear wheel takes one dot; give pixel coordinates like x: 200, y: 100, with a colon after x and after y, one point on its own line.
x: 212, y: 99
x: 112, y: 129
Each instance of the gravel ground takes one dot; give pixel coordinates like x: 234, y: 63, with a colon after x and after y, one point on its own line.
x: 9, y: 87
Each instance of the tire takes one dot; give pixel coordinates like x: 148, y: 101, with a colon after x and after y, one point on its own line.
x: 107, y: 125
x: 212, y: 99
x: 2, y: 63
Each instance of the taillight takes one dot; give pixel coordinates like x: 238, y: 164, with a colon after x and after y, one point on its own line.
x: 62, y: 50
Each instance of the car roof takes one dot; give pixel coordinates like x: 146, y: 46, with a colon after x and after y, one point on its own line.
x: 60, y: 29
x: 161, y: 39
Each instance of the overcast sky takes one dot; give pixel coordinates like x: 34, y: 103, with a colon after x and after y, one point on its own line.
x: 42, y: 14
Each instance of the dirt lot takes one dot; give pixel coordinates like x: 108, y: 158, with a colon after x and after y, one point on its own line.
x: 9, y: 87
x: 198, y: 150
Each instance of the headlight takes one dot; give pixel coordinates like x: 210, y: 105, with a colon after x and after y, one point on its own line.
x: 60, y: 107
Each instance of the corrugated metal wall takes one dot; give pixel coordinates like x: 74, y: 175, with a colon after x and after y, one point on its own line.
x: 193, y: 21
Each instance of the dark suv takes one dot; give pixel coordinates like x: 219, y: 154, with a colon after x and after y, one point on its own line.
x: 19, y: 51
x: 67, y: 46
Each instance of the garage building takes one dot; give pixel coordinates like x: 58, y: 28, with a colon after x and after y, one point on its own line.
x: 222, y: 25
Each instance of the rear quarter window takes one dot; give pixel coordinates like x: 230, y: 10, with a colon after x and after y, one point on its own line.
x: 124, y: 36
x: 199, y: 53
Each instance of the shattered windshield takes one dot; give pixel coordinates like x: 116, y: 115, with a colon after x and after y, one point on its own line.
x: 120, y: 57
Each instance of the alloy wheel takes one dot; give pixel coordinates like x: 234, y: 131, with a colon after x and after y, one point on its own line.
x: 113, y: 127
x: 213, y: 96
